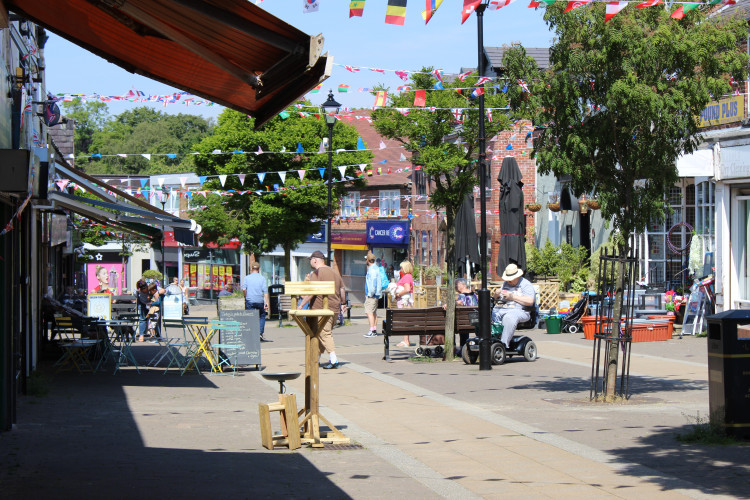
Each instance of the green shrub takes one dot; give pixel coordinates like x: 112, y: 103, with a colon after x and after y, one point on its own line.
x: 152, y: 274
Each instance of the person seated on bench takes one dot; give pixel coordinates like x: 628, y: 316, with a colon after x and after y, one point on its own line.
x: 464, y: 297
x: 514, y: 297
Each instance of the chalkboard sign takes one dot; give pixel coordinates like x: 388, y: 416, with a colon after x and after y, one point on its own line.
x: 248, y: 336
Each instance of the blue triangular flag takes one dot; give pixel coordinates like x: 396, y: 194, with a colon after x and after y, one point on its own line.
x: 275, y: 187
x: 238, y: 152
x: 190, y: 195
x: 261, y: 176
x: 505, y: 89
x: 96, y: 155
x: 143, y: 182
x: 360, y: 143
x: 439, y: 86
x: 322, y: 172
x: 509, y: 147
x: 171, y: 155
x: 299, y: 148
x: 202, y: 179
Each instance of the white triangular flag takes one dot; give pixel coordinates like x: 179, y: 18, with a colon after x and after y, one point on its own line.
x: 362, y: 167
x: 183, y: 180
x: 259, y: 152
x: 382, y: 145
x: 321, y: 149
x: 283, y: 177
x: 403, y: 158
x: 223, y: 179
x: 160, y: 180
x: 146, y: 156
x: 241, y: 177
x: 301, y: 174
x: 122, y: 155
x: 342, y: 169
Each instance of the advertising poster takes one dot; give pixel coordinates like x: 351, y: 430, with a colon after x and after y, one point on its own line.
x: 206, y: 276
x: 99, y: 305
x: 220, y: 278
x: 228, y: 275
x: 103, y: 277
x: 186, y: 274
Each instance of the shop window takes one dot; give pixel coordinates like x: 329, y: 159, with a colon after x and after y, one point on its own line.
x: 390, y: 203
x: 740, y: 247
x: 354, y: 263
x: 421, y: 180
x: 351, y: 204
x: 424, y: 248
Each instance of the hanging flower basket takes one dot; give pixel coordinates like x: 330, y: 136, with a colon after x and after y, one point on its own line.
x: 534, y: 207
x: 593, y: 204
x: 555, y: 207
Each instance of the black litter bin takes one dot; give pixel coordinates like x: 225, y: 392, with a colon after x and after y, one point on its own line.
x: 274, y: 296
x: 729, y: 370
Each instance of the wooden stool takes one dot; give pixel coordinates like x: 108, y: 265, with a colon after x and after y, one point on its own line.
x: 287, y: 408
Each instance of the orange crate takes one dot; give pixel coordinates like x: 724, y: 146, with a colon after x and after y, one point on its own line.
x: 642, y: 332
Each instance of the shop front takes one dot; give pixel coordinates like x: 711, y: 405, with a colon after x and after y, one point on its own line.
x: 207, y: 270
x: 389, y: 242
x: 350, y: 248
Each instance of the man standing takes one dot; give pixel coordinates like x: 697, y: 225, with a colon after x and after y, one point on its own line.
x: 373, y: 290
x: 322, y: 272
x: 255, y: 288
x: 516, y: 294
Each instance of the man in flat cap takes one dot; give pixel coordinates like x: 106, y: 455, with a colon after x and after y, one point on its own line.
x: 322, y: 272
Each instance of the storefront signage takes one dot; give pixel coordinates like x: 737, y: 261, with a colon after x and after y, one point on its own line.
x: 349, y: 241
x: 319, y: 237
x: 727, y: 110
x: 388, y: 234
x: 734, y: 163
x: 58, y: 229
x: 169, y: 241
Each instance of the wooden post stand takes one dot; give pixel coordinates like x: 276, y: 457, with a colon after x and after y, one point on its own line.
x: 311, y: 321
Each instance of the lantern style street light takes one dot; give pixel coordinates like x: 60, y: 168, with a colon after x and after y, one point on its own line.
x: 163, y: 198
x: 330, y: 110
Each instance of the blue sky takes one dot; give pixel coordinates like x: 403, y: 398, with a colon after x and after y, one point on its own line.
x: 360, y: 42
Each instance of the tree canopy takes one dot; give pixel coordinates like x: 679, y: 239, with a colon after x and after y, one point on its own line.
x: 620, y: 100
x: 281, y: 206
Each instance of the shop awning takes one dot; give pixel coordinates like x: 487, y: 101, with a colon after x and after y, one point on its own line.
x: 228, y: 51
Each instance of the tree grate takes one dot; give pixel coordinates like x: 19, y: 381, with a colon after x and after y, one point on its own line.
x: 341, y: 446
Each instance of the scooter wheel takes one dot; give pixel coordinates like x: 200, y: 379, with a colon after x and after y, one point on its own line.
x: 497, y: 354
x: 428, y: 352
x: 439, y: 351
x: 469, y: 357
x: 572, y: 328
x: 529, y: 352
x: 419, y: 351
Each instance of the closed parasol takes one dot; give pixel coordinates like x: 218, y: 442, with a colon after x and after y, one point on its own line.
x: 512, y: 218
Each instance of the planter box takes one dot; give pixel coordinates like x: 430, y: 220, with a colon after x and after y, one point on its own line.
x: 230, y: 304
x: 642, y: 331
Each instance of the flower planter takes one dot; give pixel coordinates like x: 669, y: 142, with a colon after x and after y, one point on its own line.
x: 642, y: 332
x: 593, y: 204
x: 555, y: 207
x: 534, y: 207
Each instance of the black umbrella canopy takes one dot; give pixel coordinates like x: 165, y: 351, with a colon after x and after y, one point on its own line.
x: 512, y: 218
x: 467, y: 244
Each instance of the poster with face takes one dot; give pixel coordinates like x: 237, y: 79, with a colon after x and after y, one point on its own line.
x: 104, y: 277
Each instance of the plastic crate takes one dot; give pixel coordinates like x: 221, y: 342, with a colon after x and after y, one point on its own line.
x: 643, y: 331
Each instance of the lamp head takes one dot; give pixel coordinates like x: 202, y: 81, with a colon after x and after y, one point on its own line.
x: 330, y: 107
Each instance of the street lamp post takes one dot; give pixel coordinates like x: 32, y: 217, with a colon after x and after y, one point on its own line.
x: 164, y: 198
x: 330, y: 109
x: 483, y: 294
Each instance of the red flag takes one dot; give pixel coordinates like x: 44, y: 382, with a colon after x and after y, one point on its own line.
x: 574, y: 4
x: 380, y: 98
x: 613, y: 8
x: 469, y: 7
x: 649, y: 3
x: 420, y: 98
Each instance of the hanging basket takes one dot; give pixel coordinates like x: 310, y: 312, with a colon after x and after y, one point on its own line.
x: 555, y: 207
x: 534, y: 207
x: 593, y: 204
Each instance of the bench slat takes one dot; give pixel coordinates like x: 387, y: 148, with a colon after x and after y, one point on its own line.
x: 309, y: 288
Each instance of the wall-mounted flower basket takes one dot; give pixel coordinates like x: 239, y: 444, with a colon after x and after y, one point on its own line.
x: 534, y: 207
x: 555, y: 207
x: 593, y: 204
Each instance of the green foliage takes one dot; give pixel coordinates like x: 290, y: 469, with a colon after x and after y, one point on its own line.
x: 542, y: 262
x: 431, y: 272
x: 708, y: 431
x: 89, y: 118
x: 152, y: 274
x: 567, y: 263
x: 267, y: 218
x: 620, y: 101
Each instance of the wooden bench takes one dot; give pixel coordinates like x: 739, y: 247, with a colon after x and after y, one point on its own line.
x: 413, y: 321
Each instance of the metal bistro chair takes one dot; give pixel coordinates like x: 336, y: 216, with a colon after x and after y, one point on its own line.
x: 196, y: 327
x: 226, y: 361
x: 122, y: 339
x: 174, y: 344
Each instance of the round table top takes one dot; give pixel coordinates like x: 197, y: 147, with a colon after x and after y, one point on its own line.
x: 281, y: 376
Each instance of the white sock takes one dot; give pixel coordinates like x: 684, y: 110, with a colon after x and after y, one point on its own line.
x: 332, y: 358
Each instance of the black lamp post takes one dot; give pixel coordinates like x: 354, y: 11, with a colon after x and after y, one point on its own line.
x: 330, y: 108
x: 164, y: 198
x: 483, y: 294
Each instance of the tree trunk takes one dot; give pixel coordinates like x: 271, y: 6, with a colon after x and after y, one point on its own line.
x: 612, y: 343
x: 287, y: 262
x: 450, y: 311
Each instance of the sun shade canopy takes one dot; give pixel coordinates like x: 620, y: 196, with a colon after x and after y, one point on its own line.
x: 228, y: 51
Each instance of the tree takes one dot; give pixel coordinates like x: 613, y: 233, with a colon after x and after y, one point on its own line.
x: 446, y: 147
x: 283, y: 208
x: 166, y: 139
x: 89, y: 117
x: 620, y: 103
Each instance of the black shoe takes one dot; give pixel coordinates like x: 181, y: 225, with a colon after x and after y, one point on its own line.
x: 331, y: 366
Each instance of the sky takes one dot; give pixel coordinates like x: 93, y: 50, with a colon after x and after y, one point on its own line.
x: 363, y: 42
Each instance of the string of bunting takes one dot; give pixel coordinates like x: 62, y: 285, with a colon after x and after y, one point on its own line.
x: 17, y: 215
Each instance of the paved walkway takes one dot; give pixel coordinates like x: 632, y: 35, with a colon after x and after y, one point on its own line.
x: 423, y: 429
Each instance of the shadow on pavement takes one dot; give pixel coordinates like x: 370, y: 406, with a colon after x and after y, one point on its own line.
x: 82, y: 440
x: 638, y: 385
x: 713, y: 469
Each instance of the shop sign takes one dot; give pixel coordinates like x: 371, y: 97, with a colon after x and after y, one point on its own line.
x: 387, y: 233
x: 319, y: 237
x: 727, y: 110
x: 169, y: 241
x: 58, y: 229
x: 349, y: 241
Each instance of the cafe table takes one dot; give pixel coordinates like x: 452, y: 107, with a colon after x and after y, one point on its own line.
x: 202, y: 332
x: 311, y: 322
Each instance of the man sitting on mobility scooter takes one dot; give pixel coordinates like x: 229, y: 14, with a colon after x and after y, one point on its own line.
x: 512, y: 299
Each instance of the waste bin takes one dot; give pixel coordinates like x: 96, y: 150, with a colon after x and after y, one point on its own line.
x: 553, y: 323
x: 729, y: 370
x: 274, y: 296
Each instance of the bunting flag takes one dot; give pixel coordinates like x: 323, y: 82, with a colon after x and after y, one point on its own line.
x: 438, y: 73
x: 469, y: 7
x: 574, y: 4
x: 147, y: 156
x: 404, y: 88
x: 404, y: 75
x: 685, y: 7
x: 380, y: 97
x: 321, y: 148
x: 462, y: 76
x: 483, y: 80
x: 360, y: 143
x: 343, y: 88
x: 241, y: 177
x: 223, y: 179
x: 300, y: 149
x: 282, y: 174
x: 613, y: 8
x: 477, y: 92
x: 438, y: 86
x: 310, y: 6
x: 395, y: 13
x: 649, y: 3
x: 431, y: 6
x: 382, y: 145
x: 489, y: 115
x: 499, y: 4
x: 301, y: 174
x: 261, y: 177
x: 420, y: 98
x: 356, y: 8
x: 321, y: 171
x: 342, y: 169
x: 316, y: 88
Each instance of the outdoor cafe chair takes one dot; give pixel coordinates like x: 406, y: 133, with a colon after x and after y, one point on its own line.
x: 174, y: 344
x: 123, y: 333
x: 200, y: 330
x: 226, y: 348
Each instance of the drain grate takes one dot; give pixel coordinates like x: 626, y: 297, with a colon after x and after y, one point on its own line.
x: 341, y: 446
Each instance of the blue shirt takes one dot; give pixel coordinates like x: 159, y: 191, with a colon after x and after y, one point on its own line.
x: 372, y: 282
x: 255, y: 287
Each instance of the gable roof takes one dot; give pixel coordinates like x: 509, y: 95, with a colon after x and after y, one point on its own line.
x: 495, y: 55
